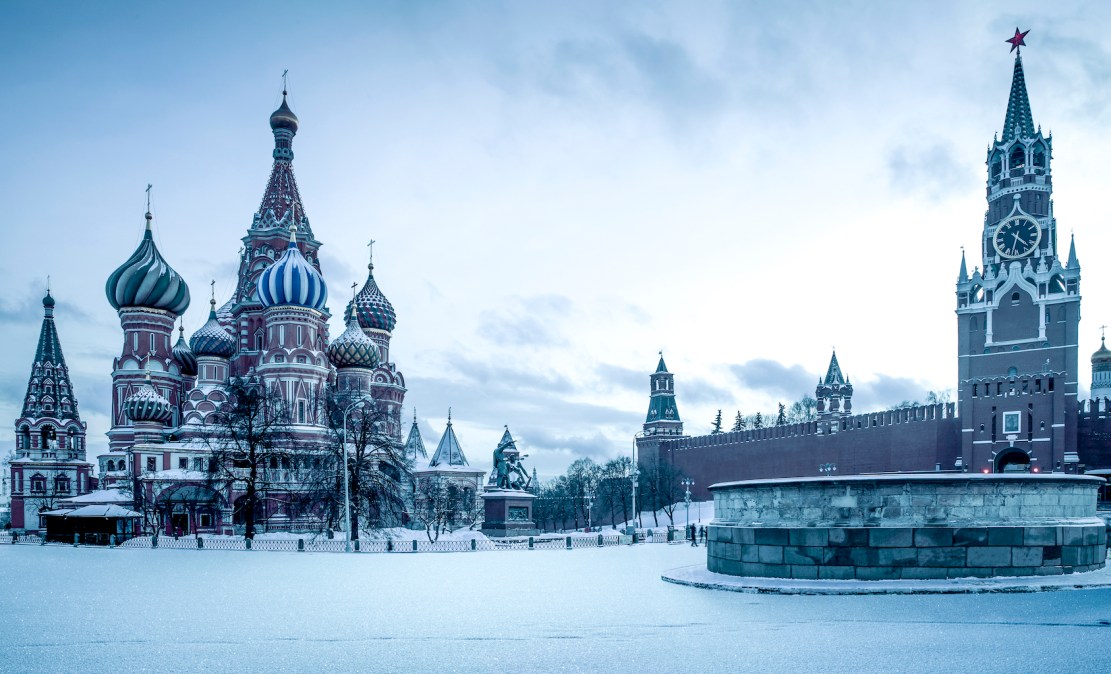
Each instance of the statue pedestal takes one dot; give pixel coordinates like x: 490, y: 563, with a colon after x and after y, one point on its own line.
x: 508, y: 512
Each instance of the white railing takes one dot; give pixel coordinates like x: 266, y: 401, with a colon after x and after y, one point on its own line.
x: 313, y: 544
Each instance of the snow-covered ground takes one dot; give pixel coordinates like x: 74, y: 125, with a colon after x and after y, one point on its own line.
x: 595, y: 609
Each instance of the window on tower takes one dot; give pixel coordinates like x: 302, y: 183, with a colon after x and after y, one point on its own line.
x: 1018, y: 157
x: 1039, y: 156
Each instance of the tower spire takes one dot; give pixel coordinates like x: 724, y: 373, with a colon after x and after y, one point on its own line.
x: 1073, y: 263
x: 1019, y: 122
x: 962, y: 275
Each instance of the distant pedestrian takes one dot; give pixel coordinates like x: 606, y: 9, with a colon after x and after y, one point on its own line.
x: 694, y: 535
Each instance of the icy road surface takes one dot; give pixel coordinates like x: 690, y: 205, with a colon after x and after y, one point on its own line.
x: 69, y: 609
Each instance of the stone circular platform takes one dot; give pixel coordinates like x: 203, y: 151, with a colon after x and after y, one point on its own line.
x: 698, y: 576
x: 907, y: 527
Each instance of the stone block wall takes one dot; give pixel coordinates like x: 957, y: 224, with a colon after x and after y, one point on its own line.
x: 909, y: 553
x: 915, y: 526
x: 908, y: 500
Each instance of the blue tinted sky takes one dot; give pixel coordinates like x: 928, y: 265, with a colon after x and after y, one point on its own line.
x: 557, y: 189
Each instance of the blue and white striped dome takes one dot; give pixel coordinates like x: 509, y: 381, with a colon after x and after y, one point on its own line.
x: 212, y: 339
x: 353, y: 348
x: 292, y: 280
x: 146, y: 404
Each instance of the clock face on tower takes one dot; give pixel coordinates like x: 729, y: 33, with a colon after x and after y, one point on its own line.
x: 1017, y: 236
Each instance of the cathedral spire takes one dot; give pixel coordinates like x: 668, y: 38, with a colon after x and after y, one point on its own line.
x: 962, y: 275
x: 1073, y: 263
x: 281, y: 202
x: 1019, y: 122
x: 49, y: 390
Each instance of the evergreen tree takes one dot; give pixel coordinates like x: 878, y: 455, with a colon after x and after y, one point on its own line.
x: 717, y: 424
x: 781, y: 417
x: 738, y: 423
x: 758, y: 421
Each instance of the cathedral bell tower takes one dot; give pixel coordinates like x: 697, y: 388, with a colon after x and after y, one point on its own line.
x: 1018, y: 318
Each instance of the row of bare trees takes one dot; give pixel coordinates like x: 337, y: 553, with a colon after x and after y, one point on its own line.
x: 590, y: 493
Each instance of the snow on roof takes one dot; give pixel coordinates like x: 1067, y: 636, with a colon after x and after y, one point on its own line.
x: 94, y: 511
x: 103, y: 496
x: 176, y: 474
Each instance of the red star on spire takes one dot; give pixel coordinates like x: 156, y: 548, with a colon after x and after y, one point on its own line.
x: 1017, y: 41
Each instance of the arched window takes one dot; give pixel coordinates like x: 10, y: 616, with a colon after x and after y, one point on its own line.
x: 996, y: 168
x: 38, y: 484
x: 1015, y: 298
x: 1039, y: 156
x: 1012, y: 372
x: 1018, y: 157
x: 24, y: 438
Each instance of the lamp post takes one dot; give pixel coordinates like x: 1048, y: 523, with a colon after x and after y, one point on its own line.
x: 634, y: 477
x: 688, y: 483
x: 346, y: 480
x: 588, y: 498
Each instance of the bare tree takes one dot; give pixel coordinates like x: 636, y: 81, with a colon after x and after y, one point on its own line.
x: 250, y: 440
x: 440, y: 502
x: 377, y: 468
x: 669, y: 489
x: 583, y: 476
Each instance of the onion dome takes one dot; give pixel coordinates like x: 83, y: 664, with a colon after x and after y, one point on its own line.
x: 48, y: 301
x: 283, y: 117
x: 146, y: 280
x: 373, y: 309
x: 292, y: 280
x: 1103, y: 355
x: 184, y: 356
x: 146, y: 404
x: 212, y: 339
x: 353, y: 348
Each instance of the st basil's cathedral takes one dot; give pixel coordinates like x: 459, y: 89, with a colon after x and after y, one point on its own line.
x: 272, y: 334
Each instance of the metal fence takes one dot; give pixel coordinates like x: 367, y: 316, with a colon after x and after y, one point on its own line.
x: 314, y: 544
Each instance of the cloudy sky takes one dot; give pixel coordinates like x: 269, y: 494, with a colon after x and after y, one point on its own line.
x: 558, y: 190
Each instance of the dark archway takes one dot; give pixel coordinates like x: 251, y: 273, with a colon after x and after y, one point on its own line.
x: 1012, y: 461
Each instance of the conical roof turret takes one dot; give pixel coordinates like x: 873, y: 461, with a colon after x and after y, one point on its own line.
x: 833, y: 372
x: 49, y: 390
x: 414, y: 444
x: 449, y: 452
